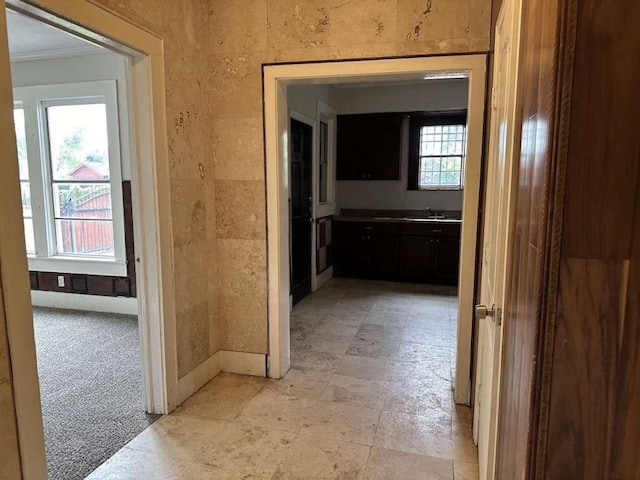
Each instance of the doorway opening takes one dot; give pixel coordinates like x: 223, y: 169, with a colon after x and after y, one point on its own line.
x: 88, y: 125
x: 279, y: 80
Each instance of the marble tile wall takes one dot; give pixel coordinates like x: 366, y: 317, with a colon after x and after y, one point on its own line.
x: 214, y: 50
x: 10, y: 464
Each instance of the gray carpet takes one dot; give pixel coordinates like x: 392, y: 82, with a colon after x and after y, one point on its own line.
x: 91, y: 387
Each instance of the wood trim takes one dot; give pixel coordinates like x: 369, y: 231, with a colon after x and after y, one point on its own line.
x: 564, y: 68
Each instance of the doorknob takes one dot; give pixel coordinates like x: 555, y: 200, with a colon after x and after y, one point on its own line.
x: 483, y: 312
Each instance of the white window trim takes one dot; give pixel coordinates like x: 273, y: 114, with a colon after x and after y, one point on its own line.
x: 327, y: 115
x: 34, y: 100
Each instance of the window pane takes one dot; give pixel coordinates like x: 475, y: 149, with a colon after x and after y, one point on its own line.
x: 441, y: 153
x: 323, y: 182
x: 88, y: 237
x: 78, y: 141
x: 29, y: 238
x: 21, y: 141
x: 82, y: 201
x: 26, y: 199
x: 323, y: 160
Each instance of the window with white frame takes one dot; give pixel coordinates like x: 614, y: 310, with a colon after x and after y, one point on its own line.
x: 70, y: 173
x: 437, y: 151
x: 325, y: 166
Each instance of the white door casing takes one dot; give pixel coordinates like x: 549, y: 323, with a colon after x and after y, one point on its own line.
x: 498, y: 222
x: 276, y: 78
x: 152, y: 217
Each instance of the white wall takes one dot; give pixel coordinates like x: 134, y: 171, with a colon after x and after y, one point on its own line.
x: 304, y: 99
x: 107, y: 66
x: 393, y: 195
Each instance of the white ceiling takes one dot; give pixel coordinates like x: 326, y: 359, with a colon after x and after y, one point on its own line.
x: 31, y: 39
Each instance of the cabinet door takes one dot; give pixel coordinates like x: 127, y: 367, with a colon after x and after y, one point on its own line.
x: 369, y: 146
x: 385, y: 147
x: 416, y: 258
x: 352, y: 142
x: 446, y: 259
x: 382, y: 255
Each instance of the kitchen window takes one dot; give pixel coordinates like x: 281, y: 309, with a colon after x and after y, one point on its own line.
x: 437, y: 151
x: 70, y: 173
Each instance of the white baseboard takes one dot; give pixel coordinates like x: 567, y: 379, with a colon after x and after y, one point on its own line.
x: 88, y: 303
x: 198, y: 377
x: 242, y: 363
x: 324, y: 277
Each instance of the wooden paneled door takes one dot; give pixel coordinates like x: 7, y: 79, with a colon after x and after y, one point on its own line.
x: 498, y: 232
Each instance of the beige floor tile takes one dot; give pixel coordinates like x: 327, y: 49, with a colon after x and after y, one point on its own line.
x: 387, y: 318
x: 178, y: 436
x: 322, y: 458
x: 378, y: 348
x: 223, y: 397
x: 464, y: 450
x: 302, y: 359
x: 433, y: 335
x: 415, y: 352
x: 325, y: 343
x: 128, y: 464
x: 421, y: 398
x: 342, y: 422
x: 415, y: 362
x: 273, y: 410
x: 364, y: 367
x: 413, y: 434
x: 332, y: 330
x: 348, y: 319
x: 247, y: 452
x: 465, y: 471
x: 300, y: 383
x: 354, y: 391
x: 386, y: 464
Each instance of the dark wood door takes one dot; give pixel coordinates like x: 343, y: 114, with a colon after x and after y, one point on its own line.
x: 446, y: 259
x: 416, y: 258
x: 301, y: 148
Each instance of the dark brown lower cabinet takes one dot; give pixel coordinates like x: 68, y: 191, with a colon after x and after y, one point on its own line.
x: 428, y: 253
x: 365, y: 250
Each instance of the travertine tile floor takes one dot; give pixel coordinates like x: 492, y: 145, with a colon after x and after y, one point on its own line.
x: 368, y: 397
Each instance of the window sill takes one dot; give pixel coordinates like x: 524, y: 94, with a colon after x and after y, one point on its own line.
x: 87, y: 266
x: 440, y: 189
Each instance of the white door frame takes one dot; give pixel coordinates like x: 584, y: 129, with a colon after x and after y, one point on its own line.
x: 152, y: 214
x: 276, y: 80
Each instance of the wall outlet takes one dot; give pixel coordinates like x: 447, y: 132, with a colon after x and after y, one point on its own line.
x: 61, y: 280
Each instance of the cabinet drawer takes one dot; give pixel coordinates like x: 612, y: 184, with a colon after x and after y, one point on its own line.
x: 430, y: 229
x: 363, y: 228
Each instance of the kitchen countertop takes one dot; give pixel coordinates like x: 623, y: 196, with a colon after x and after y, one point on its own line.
x: 348, y: 218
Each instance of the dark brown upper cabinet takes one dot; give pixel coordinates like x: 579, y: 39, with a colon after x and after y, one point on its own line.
x: 369, y: 146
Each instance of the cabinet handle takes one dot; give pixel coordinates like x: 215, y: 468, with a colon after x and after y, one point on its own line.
x: 368, y: 228
x: 436, y: 231
x: 431, y: 240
